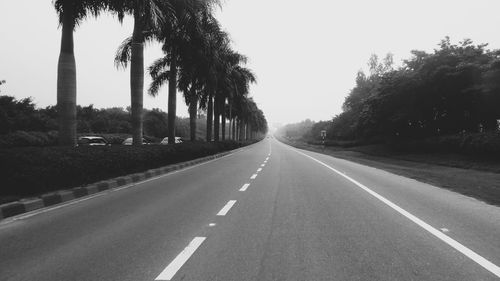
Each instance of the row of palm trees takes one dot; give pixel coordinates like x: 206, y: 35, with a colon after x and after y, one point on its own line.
x: 198, y: 60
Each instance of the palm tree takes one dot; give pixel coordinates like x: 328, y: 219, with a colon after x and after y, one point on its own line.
x: 148, y: 16
x: 214, y: 42
x: 183, y: 63
x: 71, y: 13
x: 174, y: 34
x: 240, y: 79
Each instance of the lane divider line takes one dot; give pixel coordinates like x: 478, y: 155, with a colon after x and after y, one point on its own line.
x: 226, y: 208
x: 244, y: 187
x: 254, y: 176
x: 263, y: 165
x: 491, y: 267
x: 169, y: 272
x: 259, y: 169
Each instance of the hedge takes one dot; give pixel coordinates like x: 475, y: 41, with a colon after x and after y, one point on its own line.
x: 30, y: 138
x: 29, y: 171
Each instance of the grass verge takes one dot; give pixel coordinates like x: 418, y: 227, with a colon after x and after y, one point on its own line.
x: 477, y: 177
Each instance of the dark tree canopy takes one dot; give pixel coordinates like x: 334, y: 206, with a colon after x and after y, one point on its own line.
x: 455, y: 89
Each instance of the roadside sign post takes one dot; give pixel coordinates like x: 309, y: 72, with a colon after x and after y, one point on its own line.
x: 323, y: 136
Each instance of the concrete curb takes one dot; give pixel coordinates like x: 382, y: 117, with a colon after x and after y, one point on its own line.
x: 49, y: 199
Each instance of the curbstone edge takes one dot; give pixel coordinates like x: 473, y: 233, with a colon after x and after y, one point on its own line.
x: 12, y: 209
x: 32, y: 204
x: 50, y: 199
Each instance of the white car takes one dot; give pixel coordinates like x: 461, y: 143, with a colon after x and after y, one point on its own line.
x: 165, y: 140
x: 92, y: 141
x: 128, y: 141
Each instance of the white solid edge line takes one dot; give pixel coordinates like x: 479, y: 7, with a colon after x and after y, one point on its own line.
x: 491, y: 267
x: 226, y: 208
x: 169, y: 272
x: 253, y: 176
x: 244, y: 187
x: 102, y: 193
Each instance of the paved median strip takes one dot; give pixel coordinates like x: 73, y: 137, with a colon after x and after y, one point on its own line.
x: 226, y: 208
x: 169, y: 272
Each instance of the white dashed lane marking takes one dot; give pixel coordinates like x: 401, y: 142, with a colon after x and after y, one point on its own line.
x: 226, y: 208
x: 254, y: 176
x: 180, y: 260
x: 244, y: 187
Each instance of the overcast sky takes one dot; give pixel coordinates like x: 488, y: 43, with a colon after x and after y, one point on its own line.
x: 305, y: 53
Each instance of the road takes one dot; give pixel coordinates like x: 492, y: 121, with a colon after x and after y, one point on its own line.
x: 302, y: 216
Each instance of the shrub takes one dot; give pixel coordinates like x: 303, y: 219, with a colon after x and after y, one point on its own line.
x: 487, y: 144
x: 22, y: 138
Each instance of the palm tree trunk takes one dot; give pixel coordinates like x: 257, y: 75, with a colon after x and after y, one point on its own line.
x: 223, y: 113
x: 172, y: 97
x: 66, y: 81
x: 137, y: 79
x: 193, y: 106
x: 210, y: 112
x: 216, y: 118
x: 242, y: 130
x: 234, y: 129
x: 229, y: 128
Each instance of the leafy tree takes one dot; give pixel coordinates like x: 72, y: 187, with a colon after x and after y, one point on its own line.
x: 452, y: 90
x: 155, y: 123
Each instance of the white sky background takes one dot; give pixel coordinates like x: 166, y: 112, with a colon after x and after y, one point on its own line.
x: 305, y: 53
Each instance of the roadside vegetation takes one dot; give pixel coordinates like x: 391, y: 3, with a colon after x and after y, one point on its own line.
x: 32, y: 171
x: 22, y: 124
x: 38, y: 146
x: 435, y: 119
x: 199, y: 61
x: 445, y: 101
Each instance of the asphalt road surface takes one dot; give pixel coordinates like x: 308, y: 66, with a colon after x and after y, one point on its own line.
x: 267, y: 212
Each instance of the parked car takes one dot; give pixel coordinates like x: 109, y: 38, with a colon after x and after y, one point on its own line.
x: 92, y: 141
x: 128, y: 141
x: 165, y: 140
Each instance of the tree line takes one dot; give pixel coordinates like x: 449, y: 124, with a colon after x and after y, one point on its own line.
x: 23, y: 115
x: 198, y: 60
x: 453, y: 90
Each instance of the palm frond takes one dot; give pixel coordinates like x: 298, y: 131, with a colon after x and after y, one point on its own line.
x: 158, y: 82
x: 124, y: 53
x: 158, y: 66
